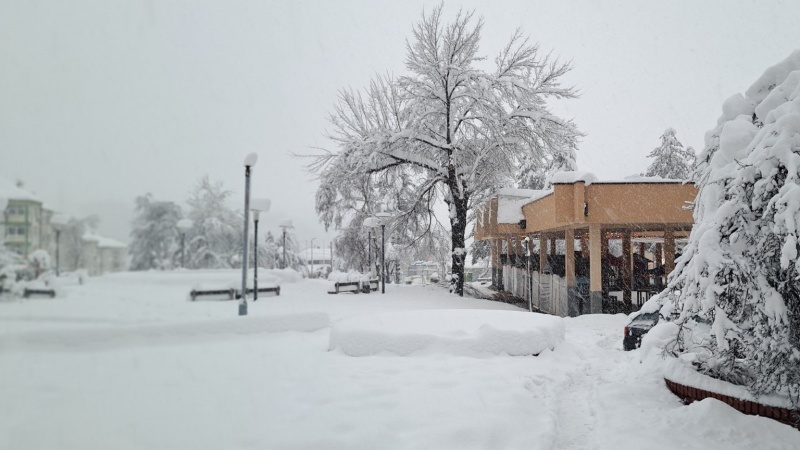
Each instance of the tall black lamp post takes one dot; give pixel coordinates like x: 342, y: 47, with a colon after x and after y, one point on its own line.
x: 370, y: 223
x: 259, y: 205
x: 184, y: 225
x: 249, y: 162
x: 285, y: 225
x: 381, y: 218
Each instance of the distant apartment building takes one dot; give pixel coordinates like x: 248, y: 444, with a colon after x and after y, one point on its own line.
x: 102, y: 254
x: 25, y: 222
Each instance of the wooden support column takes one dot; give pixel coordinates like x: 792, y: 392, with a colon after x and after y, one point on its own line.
x: 627, y: 268
x: 595, y: 268
x: 659, y: 262
x: 669, y: 251
x: 573, y: 306
x: 497, y: 269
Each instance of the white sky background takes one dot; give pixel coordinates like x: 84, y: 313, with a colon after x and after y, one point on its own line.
x: 101, y: 101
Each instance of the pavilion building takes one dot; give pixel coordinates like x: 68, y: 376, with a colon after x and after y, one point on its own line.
x: 551, y: 247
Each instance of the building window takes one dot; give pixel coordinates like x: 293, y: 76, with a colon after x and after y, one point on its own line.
x: 15, y: 231
x: 15, y: 210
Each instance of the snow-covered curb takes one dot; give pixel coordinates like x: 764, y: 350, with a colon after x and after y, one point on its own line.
x: 678, y: 372
x: 457, y: 332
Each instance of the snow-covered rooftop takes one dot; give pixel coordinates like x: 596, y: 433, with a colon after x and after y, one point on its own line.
x: 574, y: 176
x: 104, y: 242
x: 510, y: 210
x: 589, y: 178
x: 515, y: 192
x: 511, y: 200
x: 10, y: 191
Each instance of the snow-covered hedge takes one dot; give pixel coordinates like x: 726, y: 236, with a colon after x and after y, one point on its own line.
x: 457, y: 332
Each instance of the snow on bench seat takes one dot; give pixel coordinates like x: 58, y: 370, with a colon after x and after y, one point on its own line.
x: 458, y: 332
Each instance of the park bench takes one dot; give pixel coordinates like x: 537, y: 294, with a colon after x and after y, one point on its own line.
x: 231, y: 293
x: 373, y: 285
x: 262, y: 290
x: 44, y: 292
x: 346, y: 286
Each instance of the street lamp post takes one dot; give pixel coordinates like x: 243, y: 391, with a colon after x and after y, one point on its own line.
x: 311, y: 273
x: 383, y: 218
x: 369, y: 250
x: 285, y: 224
x: 259, y: 205
x: 183, y: 226
x: 370, y: 223
x: 249, y: 162
x: 58, y: 222
x: 380, y: 219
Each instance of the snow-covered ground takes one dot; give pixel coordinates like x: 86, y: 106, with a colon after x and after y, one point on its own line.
x: 126, y: 362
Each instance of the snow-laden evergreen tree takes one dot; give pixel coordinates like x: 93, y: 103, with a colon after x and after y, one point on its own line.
x: 740, y: 268
x: 671, y: 160
x: 215, y: 239
x: 268, y: 252
x: 448, y: 130
x: 155, y: 237
x: 293, y: 258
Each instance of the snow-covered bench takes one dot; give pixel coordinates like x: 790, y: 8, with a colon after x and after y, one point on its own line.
x: 346, y: 286
x: 43, y: 292
x: 231, y: 293
x: 262, y: 290
x: 373, y: 285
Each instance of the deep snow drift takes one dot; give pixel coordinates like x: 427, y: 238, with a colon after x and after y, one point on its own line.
x: 126, y: 362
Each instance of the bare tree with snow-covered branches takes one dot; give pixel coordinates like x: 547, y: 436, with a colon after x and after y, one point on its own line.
x: 448, y: 130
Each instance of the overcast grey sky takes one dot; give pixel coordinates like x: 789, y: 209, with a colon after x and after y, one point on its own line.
x: 101, y: 101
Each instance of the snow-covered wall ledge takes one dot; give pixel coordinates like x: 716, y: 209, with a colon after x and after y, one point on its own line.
x: 703, y: 386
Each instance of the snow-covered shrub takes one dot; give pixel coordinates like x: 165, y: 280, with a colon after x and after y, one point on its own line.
x: 740, y: 268
x: 39, y: 261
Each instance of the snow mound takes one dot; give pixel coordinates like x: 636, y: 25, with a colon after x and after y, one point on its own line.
x: 723, y: 422
x: 457, y: 332
x: 342, y: 277
x: 148, y: 335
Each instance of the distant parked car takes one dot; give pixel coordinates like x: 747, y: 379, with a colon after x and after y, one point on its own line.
x: 638, y: 327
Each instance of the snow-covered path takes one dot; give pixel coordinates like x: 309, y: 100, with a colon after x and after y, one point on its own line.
x: 126, y: 362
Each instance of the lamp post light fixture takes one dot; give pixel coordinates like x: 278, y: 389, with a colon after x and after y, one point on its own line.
x: 58, y: 222
x: 184, y: 225
x: 249, y: 161
x: 259, y: 205
x: 285, y: 225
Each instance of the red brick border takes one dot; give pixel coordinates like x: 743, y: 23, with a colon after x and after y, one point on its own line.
x: 690, y: 394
